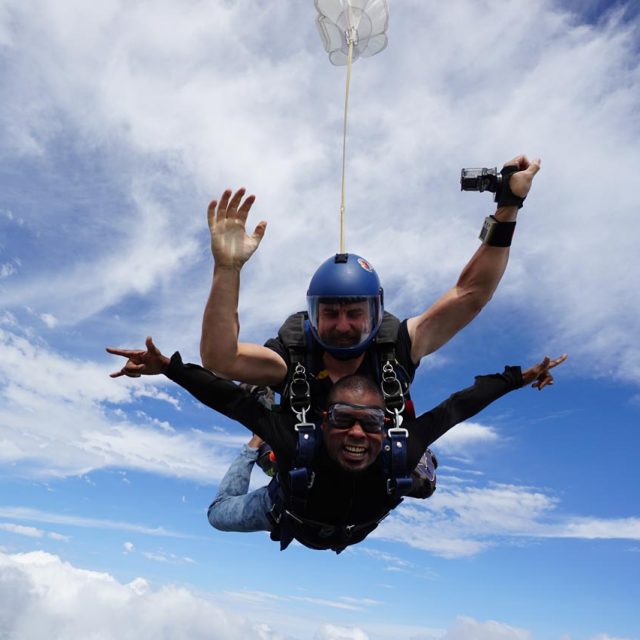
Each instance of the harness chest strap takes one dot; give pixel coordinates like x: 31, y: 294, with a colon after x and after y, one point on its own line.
x: 394, y: 451
x: 301, y: 476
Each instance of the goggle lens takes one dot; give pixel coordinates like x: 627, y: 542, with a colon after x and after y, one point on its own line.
x: 343, y: 416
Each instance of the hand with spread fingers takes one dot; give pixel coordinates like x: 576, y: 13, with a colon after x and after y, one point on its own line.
x: 140, y: 362
x: 538, y: 376
x: 230, y: 244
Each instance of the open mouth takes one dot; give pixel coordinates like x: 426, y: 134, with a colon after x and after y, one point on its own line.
x: 354, y: 452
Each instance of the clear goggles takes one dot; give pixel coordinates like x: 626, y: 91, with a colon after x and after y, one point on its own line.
x: 342, y: 415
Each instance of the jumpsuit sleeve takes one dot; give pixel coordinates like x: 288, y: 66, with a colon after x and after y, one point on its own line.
x: 227, y: 398
x: 460, y: 406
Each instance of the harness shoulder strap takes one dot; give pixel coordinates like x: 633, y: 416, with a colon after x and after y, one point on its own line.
x: 385, y: 345
x: 388, y: 331
x: 294, y: 334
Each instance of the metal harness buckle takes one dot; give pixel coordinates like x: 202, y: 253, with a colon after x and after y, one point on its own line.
x: 300, y: 391
x: 391, y: 389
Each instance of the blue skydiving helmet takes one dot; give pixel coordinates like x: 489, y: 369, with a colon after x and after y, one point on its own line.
x: 345, y: 305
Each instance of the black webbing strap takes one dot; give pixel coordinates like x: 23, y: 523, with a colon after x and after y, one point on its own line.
x: 504, y: 196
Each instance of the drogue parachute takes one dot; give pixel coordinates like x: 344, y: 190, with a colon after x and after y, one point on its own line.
x: 361, y: 23
x: 351, y: 29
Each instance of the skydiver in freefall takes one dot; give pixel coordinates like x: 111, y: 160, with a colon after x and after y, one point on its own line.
x: 335, y: 481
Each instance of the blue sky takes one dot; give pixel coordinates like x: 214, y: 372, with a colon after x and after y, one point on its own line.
x: 120, y: 121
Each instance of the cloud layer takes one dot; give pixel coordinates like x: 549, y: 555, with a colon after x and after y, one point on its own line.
x: 469, y: 519
x: 72, y: 428
x: 40, y: 595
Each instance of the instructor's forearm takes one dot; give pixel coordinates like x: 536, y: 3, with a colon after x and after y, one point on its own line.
x: 220, y: 325
x: 463, y: 302
x: 482, y: 274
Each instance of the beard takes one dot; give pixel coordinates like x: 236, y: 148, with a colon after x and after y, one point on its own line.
x: 341, y: 338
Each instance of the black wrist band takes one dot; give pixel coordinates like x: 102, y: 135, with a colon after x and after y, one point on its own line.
x: 496, y: 233
x: 504, y: 196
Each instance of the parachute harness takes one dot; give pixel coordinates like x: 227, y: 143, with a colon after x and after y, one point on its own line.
x: 301, y: 475
x: 395, y: 445
x: 285, y: 513
x: 298, y: 391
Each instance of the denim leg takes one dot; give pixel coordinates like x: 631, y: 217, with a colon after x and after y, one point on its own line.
x: 233, y: 509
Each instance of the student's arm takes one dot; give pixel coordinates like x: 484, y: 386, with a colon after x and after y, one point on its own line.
x: 221, y: 395
x: 466, y: 403
x: 236, y: 403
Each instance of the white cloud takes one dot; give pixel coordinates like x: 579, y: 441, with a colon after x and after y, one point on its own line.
x: 128, y: 547
x: 333, y: 604
x: 164, y: 557
x: 31, y: 532
x: 252, y: 596
x: 465, y: 438
x: 69, y: 429
x: 50, y: 320
x: 6, y: 270
x: 469, y: 629
x: 333, y: 632
x: 595, y: 528
x: 37, y: 515
x: 40, y: 595
x: 58, y: 536
x: 465, y: 520
x: 393, y: 562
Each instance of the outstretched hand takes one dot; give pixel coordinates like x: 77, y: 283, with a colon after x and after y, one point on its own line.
x: 538, y: 376
x: 230, y: 244
x: 139, y: 362
x: 520, y: 182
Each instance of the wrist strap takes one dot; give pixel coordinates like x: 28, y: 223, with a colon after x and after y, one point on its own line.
x: 496, y: 233
x: 504, y: 196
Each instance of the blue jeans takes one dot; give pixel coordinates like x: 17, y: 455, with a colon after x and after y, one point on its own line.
x: 233, y: 509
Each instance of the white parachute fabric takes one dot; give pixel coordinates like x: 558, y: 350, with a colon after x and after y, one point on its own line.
x: 363, y: 22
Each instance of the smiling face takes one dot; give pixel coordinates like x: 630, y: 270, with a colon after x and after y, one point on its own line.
x: 353, y: 448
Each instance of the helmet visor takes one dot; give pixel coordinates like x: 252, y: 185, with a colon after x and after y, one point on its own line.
x: 344, y: 322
